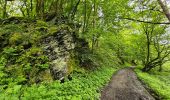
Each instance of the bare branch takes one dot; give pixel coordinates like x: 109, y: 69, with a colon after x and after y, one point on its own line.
x: 149, y: 22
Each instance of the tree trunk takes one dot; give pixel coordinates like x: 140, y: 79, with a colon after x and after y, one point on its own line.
x: 94, y: 38
x: 40, y: 8
x: 148, y: 49
x: 147, y: 68
x: 164, y: 8
x: 74, y: 9
x: 85, y: 15
x: 31, y: 7
x: 4, y: 10
x: 160, y: 67
x: 27, y: 8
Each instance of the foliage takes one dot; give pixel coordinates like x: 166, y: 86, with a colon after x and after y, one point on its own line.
x: 157, y: 81
x: 111, y: 33
x: 20, y: 55
x: 85, y: 85
x: 22, y: 59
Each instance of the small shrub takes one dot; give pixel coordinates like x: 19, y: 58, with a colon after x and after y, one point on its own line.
x: 15, y: 39
x: 41, y: 23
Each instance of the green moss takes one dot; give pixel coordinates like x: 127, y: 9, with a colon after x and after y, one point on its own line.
x: 71, y: 64
x: 46, y: 76
x: 23, y: 63
x: 41, y: 23
x: 21, y: 48
x: 15, y: 39
x: 52, y: 30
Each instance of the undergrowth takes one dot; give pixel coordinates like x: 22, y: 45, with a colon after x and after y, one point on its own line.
x: 84, y: 86
x: 157, y: 81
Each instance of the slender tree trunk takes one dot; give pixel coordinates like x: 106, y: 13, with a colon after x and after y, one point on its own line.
x: 147, y: 66
x: 148, y: 49
x: 74, y: 9
x: 71, y: 4
x: 37, y: 7
x: 4, y: 10
x: 94, y: 14
x: 31, y: 7
x: 88, y: 17
x: 160, y: 68
x: 27, y: 8
x: 40, y: 8
x: 43, y: 9
x: 164, y: 8
x: 61, y: 6
x: 22, y: 11
x: 85, y: 15
x: 94, y: 38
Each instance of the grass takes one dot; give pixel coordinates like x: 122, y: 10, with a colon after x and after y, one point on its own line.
x: 159, y: 82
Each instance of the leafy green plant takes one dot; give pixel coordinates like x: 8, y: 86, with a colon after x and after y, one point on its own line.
x: 41, y: 23
x: 10, y: 51
x: 2, y: 66
x: 83, y: 86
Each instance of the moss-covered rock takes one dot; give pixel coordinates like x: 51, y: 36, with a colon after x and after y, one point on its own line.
x: 36, y: 52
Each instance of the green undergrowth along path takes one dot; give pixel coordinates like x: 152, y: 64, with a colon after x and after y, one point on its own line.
x: 84, y: 86
x: 157, y: 81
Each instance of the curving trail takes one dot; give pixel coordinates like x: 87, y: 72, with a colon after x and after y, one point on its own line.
x: 124, y: 85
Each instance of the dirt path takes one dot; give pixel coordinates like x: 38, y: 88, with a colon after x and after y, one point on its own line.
x: 124, y: 85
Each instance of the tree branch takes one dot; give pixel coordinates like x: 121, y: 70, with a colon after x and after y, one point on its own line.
x: 149, y: 22
x: 164, y: 8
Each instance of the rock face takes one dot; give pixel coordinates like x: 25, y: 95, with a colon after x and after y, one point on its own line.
x: 58, y: 48
x: 35, y: 51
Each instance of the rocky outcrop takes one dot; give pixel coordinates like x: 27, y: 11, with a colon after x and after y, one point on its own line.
x: 44, y: 50
x: 58, y: 48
